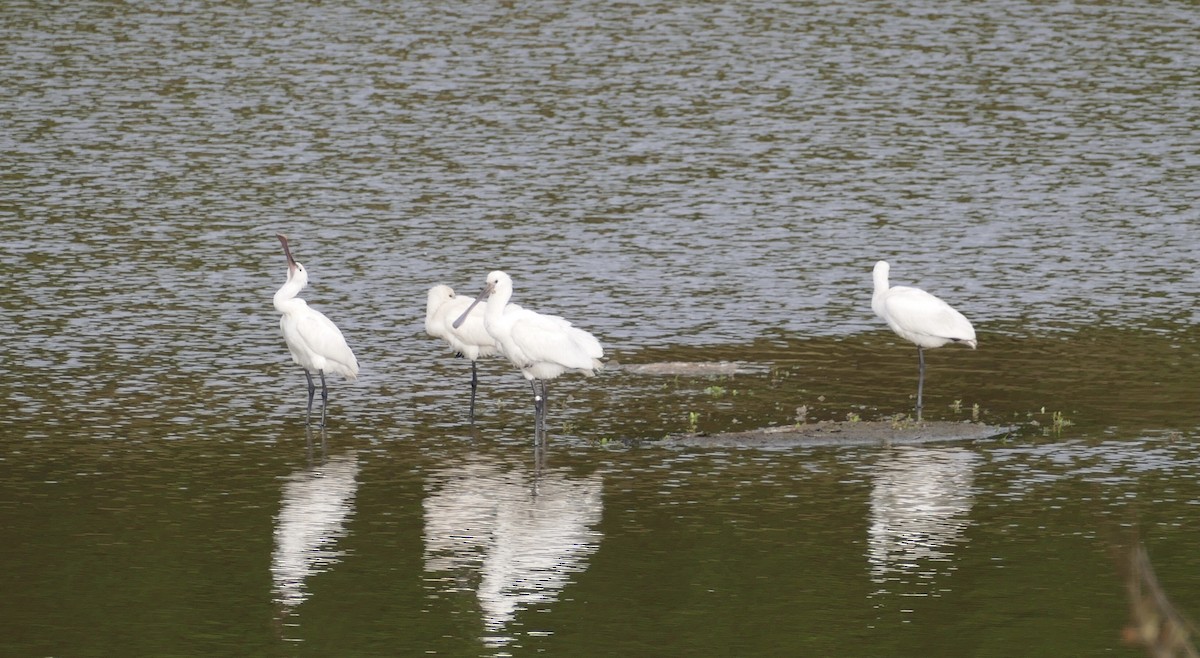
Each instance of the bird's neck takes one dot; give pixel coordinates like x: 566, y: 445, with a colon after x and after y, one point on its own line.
x: 881, y: 288
x: 494, y: 311
x: 285, y: 299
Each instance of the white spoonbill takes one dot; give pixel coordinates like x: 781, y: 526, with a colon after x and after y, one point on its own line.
x: 470, y: 339
x: 313, y: 339
x: 920, y: 318
x: 541, y: 346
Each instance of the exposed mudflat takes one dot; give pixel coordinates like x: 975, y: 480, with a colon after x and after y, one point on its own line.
x: 845, y: 433
x: 687, y: 368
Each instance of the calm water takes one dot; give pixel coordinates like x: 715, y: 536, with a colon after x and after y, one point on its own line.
x: 689, y: 181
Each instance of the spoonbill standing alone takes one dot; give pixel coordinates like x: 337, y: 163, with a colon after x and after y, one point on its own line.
x: 313, y: 339
x: 469, y: 339
x: 541, y: 346
x: 920, y: 318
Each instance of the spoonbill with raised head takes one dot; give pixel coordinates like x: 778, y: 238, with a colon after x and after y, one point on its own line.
x: 541, y: 346
x: 313, y: 339
x: 920, y: 318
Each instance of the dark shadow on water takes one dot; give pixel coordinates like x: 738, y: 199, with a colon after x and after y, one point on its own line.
x: 1065, y: 383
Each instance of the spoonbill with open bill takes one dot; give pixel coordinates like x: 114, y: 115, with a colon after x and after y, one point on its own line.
x: 919, y: 318
x: 313, y: 339
x: 541, y: 346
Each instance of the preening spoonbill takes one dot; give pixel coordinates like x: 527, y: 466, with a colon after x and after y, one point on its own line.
x: 541, y: 346
x: 469, y: 339
x: 920, y: 318
x: 313, y: 339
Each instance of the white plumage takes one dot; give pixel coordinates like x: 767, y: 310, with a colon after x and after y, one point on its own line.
x: 315, y: 342
x: 543, y: 347
x: 469, y: 340
x: 920, y: 318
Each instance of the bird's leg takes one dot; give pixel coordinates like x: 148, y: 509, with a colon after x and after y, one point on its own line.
x: 474, y: 385
x: 545, y: 403
x: 539, y: 410
x: 542, y: 394
x: 920, y: 378
x: 324, y: 396
x: 311, y: 390
x: 539, y: 465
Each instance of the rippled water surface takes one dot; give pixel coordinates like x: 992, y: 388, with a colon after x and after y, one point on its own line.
x: 688, y: 181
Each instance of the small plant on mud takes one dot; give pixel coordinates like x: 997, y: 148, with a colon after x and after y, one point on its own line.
x: 802, y: 414
x: 778, y: 374
x: 902, y: 422
x: 1058, y: 422
x: 853, y: 417
x: 693, y: 418
x: 715, y: 391
x: 957, y: 407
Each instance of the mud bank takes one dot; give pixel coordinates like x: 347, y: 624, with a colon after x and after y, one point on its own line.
x: 688, y: 368
x: 844, y: 433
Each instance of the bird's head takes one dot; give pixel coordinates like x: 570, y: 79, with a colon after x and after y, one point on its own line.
x: 295, y: 269
x: 496, y: 280
x: 441, y: 292
x: 438, y: 295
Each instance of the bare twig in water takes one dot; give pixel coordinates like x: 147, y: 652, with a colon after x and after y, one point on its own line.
x: 1154, y: 623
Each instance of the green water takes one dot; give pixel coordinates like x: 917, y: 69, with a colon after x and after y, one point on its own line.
x: 690, y: 182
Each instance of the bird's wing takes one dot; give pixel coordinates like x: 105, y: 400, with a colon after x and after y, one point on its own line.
x: 433, y: 319
x: 471, y: 333
x: 553, y: 339
x: 919, y: 312
x: 323, y: 337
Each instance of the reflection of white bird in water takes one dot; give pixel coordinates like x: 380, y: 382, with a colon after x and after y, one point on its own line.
x: 541, y: 346
x: 313, y: 339
x: 921, y: 500
x: 920, y: 318
x: 469, y: 339
x: 317, y: 501
x: 513, y: 538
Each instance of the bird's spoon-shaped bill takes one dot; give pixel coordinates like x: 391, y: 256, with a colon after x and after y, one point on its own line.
x: 487, y: 290
x: 283, y: 241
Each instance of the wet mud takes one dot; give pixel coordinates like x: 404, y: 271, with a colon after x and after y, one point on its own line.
x: 687, y: 368
x: 845, y: 433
